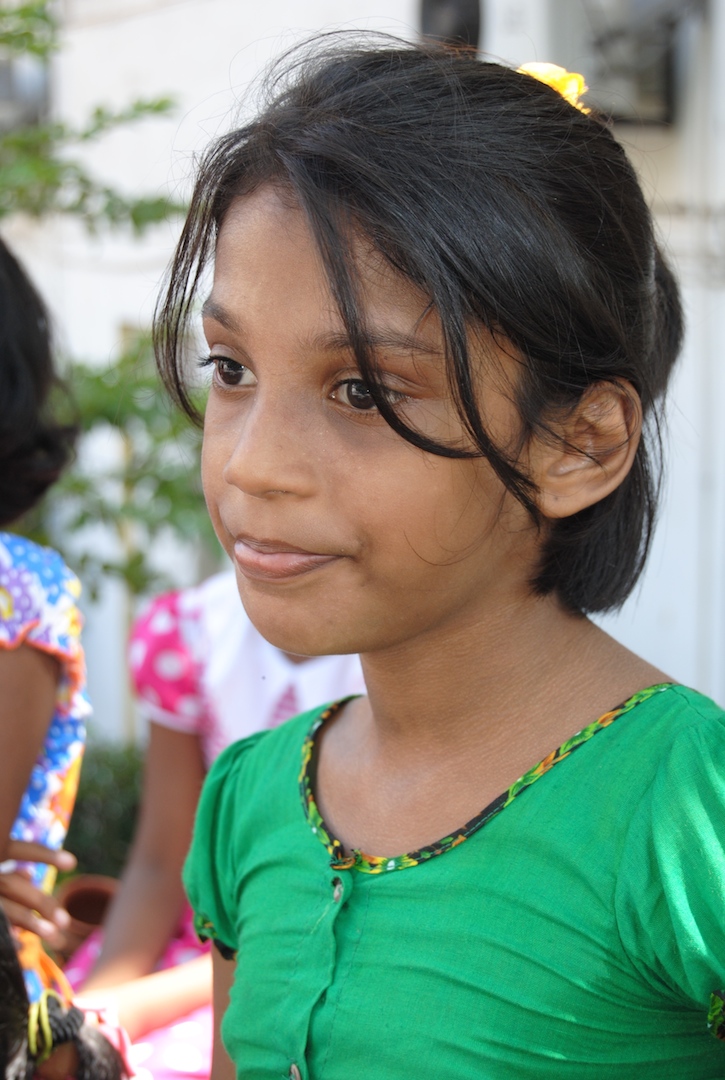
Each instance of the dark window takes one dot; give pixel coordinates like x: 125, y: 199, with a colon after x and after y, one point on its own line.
x: 454, y: 21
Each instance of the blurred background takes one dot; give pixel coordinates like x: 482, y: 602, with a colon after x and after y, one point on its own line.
x: 104, y: 105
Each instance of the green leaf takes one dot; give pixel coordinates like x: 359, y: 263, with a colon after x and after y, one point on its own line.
x: 39, y: 173
x: 28, y: 28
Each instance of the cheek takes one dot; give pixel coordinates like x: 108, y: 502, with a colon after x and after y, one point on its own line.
x: 212, y: 473
x: 436, y: 508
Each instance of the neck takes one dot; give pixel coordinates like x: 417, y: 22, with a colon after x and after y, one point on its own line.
x: 456, y: 687
x: 456, y: 715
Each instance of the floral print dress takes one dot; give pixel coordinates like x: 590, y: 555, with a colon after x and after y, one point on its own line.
x: 39, y: 608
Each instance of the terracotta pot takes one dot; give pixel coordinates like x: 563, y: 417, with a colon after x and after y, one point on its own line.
x: 86, y: 898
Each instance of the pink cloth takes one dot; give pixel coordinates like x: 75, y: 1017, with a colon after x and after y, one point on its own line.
x: 165, y: 672
x: 183, y: 1049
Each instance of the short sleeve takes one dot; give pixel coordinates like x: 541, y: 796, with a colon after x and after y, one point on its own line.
x: 210, y: 873
x: 670, y: 899
x: 164, y: 671
x: 39, y: 607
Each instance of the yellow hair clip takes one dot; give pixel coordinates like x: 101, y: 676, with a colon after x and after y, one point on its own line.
x: 569, y: 84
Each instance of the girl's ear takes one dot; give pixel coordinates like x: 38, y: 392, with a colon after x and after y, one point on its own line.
x: 589, y: 452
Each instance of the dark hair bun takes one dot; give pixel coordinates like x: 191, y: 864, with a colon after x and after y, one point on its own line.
x: 33, y: 447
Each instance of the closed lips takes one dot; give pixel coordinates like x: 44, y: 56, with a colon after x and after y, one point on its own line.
x: 274, y: 559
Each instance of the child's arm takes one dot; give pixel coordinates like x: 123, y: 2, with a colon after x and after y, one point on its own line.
x: 221, y: 1065
x: 147, y: 907
x: 29, y: 680
x: 156, y: 1000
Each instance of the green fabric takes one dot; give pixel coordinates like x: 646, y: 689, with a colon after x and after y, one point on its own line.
x: 381, y: 864
x: 579, y: 933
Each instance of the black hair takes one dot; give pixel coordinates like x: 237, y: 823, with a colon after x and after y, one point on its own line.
x: 97, y: 1059
x: 510, y: 209
x: 13, y: 1008
x: 34, y: 447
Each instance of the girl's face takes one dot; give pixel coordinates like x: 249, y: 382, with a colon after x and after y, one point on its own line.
x: 346, y: 538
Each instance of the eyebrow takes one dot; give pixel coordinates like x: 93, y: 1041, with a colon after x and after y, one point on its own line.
x: 212, y: 310
x: 377, y: 339
x: 333, y: 341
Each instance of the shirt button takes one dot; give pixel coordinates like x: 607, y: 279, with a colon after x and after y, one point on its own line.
x: 337, y: 892
x: 294, y: 1073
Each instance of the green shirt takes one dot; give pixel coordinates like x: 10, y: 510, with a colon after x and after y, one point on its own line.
x: 575, y: 929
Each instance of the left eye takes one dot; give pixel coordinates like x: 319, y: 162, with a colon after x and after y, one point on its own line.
x: 355, y: 393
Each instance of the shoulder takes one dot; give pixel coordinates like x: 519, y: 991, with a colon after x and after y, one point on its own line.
x: 686, y: 785
x: 22, y: 557
x: 209, y: 610
x: 688, y: 771
x: 670, y: 898
x: 191, y: 603
x: 267, y: 758
x: 667, y: 747
x: 687, y: 707
x: 38, y: 598
x: 654, y: 727
x: 250, y: 795
x: 158, y: 617
x: 688, y: 729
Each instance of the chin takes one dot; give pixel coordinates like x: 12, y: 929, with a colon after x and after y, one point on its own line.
x: 297, y: 631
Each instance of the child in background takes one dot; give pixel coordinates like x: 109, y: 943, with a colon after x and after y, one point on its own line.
x: 439, y: 329
x: 43, y: 705
x: 43, y: 708
x: 204, y: 678
x: 51, y: 1039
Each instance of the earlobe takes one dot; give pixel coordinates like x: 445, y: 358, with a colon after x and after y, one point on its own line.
x: 589, y: 452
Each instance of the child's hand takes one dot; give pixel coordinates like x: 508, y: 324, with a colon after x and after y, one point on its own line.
x: 24, y: 904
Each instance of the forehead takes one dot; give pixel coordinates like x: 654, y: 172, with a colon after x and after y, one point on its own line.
x: 268, y: 264
x: 264, y: 242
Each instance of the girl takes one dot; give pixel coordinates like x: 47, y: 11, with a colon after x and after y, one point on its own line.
x: 43, y: 706
x: 439, y: 328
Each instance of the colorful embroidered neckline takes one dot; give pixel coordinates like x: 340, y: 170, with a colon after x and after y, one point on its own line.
x: 377, y: 864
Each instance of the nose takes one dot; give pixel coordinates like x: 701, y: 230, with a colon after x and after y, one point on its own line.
x: 272, y: 448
